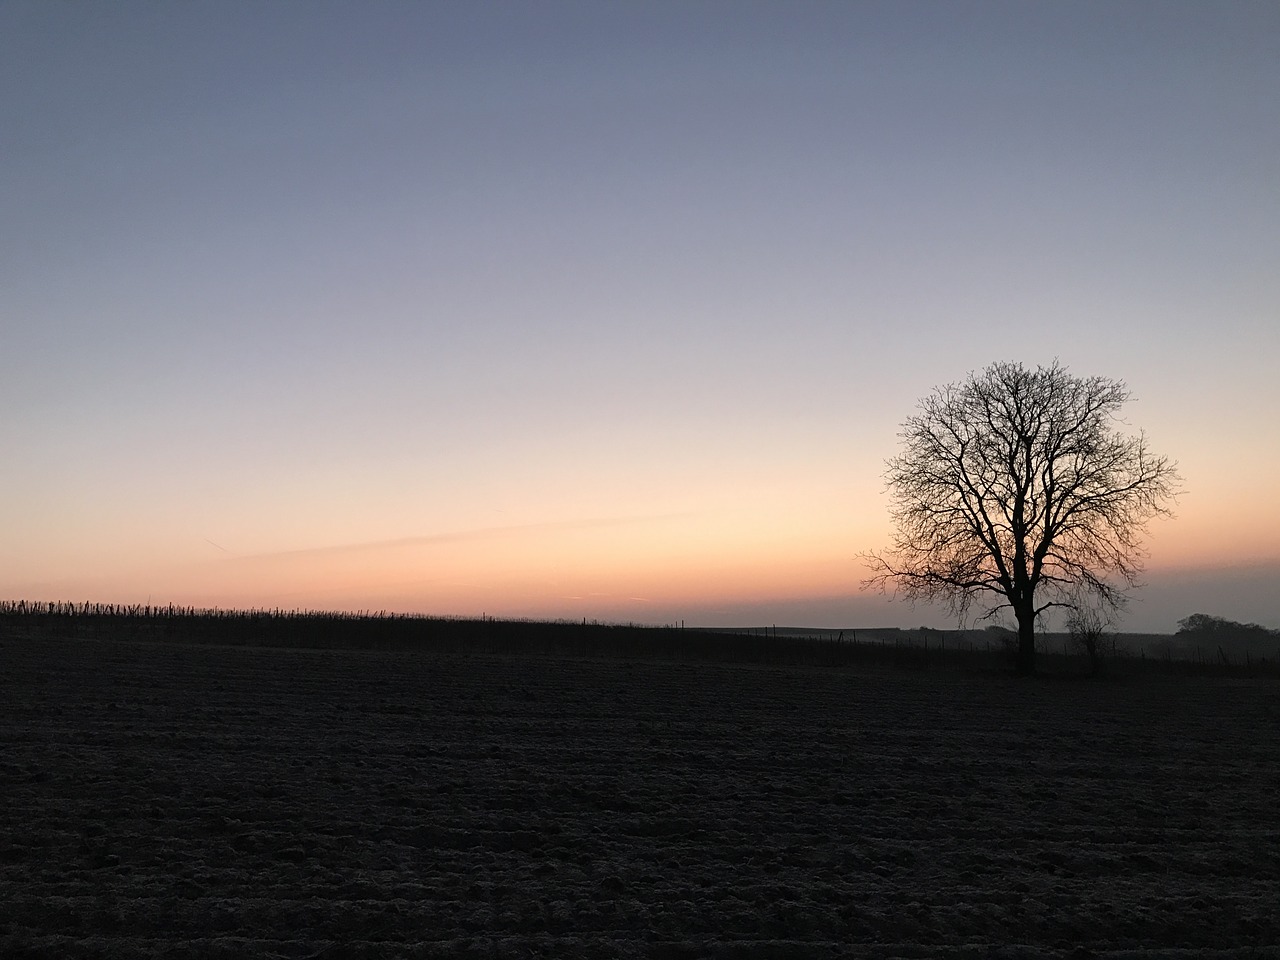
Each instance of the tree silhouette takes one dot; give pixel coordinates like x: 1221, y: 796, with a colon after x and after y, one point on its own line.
x: 1015, y: 487
x: 1089, y: 628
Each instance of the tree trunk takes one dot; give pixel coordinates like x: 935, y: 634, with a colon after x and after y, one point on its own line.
x: 1026, y: 660
x: 1095, y: 660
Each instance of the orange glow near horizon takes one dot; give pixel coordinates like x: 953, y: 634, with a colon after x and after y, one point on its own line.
x: 696, y: 540
x: 1218, y: 529
x: 541, y: 570
x: 761, y: 544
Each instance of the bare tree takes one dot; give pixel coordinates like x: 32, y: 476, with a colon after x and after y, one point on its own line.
x: 1089, y: 626
x: 1015, y: 487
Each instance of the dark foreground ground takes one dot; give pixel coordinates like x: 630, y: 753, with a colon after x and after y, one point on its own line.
x: 201, y: 801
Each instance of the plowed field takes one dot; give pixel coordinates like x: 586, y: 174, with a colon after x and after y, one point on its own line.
x: 200, y: 801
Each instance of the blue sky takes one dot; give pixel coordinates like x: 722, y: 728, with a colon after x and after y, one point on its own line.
x: 609, y: 310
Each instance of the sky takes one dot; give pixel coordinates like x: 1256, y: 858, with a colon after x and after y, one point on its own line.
x: 566, y: 310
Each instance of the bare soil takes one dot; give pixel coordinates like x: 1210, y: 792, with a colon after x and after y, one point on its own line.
x: 179, y: 801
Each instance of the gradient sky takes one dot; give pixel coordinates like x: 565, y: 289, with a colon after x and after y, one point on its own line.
x: 610, y: 310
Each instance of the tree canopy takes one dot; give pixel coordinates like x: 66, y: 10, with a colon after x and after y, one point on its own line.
x: 1014, y: 488
x: 1204, y: 625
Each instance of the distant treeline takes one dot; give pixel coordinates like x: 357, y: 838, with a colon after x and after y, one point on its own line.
x: 383, y: 630
x: 920, y: 649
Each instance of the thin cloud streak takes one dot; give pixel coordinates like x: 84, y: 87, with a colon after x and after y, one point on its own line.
x: 463, y: 536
